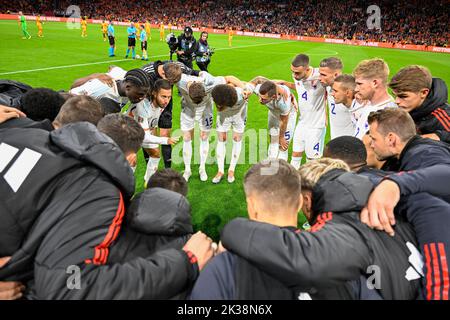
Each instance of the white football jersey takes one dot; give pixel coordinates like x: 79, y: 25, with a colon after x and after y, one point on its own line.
x: 98, y: 89
x: 340, y: 118
x: 355, y: 111
x: 311, y: 101
x: 279, y: 107
x: 146, y: 114
x: 117, y: 73
x: 209, y: 81
x: 240, y: 104
x: 362, y: 125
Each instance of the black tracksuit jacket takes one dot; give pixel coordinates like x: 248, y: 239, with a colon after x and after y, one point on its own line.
x: 62, y: 210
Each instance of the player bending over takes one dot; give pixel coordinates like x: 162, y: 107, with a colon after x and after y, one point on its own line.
x: 197, y: 106
x: 282, y: 115
x: 231, y: 104
x: 118, y: 85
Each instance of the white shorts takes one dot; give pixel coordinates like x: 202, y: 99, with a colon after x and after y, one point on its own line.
x: 309, y: 140
x: 274, y: 125
x: 203, y: 116
x: 236, y: 122
x: 151, y: 146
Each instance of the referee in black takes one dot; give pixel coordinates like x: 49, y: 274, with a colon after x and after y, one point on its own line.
x: 157, y: 70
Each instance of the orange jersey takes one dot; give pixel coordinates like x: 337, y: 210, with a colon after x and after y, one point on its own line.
x: 138, y: 28
x: 147, y: 28
x: 84, y: 23
x: 104, y: 27
x: 38, y: 22
x: 161, y: 28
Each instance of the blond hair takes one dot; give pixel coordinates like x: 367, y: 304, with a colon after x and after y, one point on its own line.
x: 312, y: 171
x: 371, y: 69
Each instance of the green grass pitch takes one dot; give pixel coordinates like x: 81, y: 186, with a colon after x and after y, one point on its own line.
x: 63, y: 56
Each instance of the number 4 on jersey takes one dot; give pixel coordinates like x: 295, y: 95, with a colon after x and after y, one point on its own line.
x: 316, y: 147
x: 305, y: 95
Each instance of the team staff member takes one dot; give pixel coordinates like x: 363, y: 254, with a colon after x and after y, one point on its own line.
x: 394, y: 139
x: 73, y: 178
x: 425, y: 98
x: 338, y: 247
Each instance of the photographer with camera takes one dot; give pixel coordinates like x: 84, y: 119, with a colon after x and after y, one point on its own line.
x: 186, y: 47
x: 203, y: 52
x: 172, y: 42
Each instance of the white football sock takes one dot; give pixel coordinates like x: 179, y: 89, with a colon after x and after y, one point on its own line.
x: 296, y: 162
x: 237, y: 146
x: 187, y: 155
x: 204, y: 150
x: 220, y: 153
x: 152, y: 166
x: 283, y: 155
x: 272, y: 153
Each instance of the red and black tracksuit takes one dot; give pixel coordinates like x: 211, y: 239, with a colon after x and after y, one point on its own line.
x: 423, y: 177
x: 433, y: 116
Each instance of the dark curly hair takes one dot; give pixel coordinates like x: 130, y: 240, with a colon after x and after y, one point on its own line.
x: 41, y: 103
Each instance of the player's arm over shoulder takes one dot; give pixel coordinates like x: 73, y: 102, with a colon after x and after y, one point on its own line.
x: 105, y: 78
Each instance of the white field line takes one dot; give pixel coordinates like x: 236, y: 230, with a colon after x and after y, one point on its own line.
x: 120, y: 60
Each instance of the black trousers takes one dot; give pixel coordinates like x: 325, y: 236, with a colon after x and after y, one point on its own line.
x: 187, y: 63
x: 203, y: 66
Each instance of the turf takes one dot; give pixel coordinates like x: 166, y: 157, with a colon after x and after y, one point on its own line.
x: 63, y: 56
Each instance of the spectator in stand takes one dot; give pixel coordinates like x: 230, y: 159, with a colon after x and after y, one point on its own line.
x: 404, y: 22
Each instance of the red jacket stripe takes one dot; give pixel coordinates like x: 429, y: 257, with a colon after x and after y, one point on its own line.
x: 444, y: 116
x: 437, y: 274
x: 429, y: 272
x: 438, y: 117
x: 444, y: 265
x: 102, y: 250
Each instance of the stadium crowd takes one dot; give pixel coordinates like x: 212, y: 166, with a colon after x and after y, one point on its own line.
x: 406, y: 22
